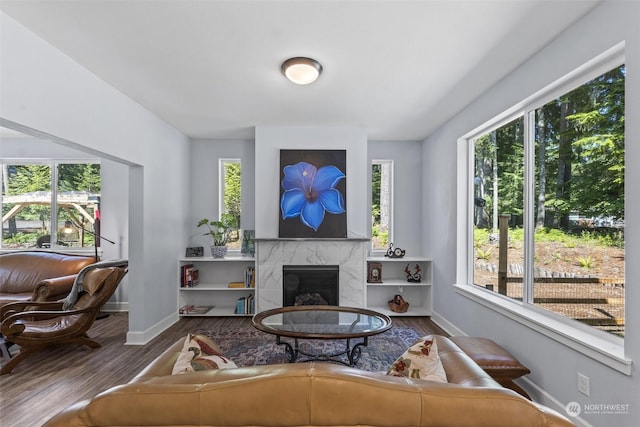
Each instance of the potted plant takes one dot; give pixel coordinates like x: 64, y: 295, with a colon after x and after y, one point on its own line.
x: 220, y: 231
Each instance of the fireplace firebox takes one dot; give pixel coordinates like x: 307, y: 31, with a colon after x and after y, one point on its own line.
x: 310, y: 285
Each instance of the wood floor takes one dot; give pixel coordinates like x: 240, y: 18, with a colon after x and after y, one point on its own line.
x: 46, y: 383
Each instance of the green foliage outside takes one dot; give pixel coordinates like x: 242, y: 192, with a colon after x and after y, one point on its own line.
x: 29, y: 179
x: 233, y: 190
x: 379, y: 236
x: 482, y: 236
x: 579, y: 158
x: 382, y: 237
x: 36, y: 178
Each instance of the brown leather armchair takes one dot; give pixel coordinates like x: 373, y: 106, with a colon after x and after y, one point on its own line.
x: 36, y: 326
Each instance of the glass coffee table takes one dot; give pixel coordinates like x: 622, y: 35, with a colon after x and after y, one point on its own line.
x: 322, y: 322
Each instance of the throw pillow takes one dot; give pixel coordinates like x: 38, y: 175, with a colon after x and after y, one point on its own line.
x: 420, y: 361
x: 200, y: 353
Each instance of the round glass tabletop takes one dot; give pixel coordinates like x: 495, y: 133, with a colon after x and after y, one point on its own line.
x: 321, y: 322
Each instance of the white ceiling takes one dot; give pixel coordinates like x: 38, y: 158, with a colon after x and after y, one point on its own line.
x: 211, y: 68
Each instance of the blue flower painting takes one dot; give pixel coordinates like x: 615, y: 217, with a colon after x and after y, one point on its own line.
x: 311, y: 189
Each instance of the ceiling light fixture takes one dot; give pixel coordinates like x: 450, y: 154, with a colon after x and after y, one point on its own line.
x: 301, y: 70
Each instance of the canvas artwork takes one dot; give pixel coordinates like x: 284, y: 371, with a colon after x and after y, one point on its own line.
x: 313, y: 193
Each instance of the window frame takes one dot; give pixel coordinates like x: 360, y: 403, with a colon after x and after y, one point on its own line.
x: 221, y: 190
x: 390, y: 162
x: 599, y: 345
x: 53, y: 165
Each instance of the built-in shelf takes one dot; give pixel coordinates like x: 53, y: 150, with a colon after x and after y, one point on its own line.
x: 307, y: 239
x: 214, y: 276
x: 394, y: 281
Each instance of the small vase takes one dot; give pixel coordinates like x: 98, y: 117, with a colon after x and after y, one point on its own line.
x: 218, y: 251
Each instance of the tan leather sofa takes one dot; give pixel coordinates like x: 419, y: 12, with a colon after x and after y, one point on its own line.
x: 38, y: 275
x: 309, y: 394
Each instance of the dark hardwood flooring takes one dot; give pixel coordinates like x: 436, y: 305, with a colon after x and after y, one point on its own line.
x: 50, y: 381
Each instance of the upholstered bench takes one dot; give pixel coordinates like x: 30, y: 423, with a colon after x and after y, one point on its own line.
x: 501, y: 365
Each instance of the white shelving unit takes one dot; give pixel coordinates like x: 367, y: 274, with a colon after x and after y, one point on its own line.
x: 394, y: 281
x: 213, y: 287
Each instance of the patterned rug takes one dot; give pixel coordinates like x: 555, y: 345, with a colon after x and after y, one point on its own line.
x: 247, y: 346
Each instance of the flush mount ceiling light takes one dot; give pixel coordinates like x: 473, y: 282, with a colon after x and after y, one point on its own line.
x: 301, y: 70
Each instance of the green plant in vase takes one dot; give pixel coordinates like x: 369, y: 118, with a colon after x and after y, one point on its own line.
x: 220, y: 231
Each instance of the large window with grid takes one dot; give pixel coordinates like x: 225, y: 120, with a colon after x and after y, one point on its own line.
x: 547, y: 192
x: 49, y: 204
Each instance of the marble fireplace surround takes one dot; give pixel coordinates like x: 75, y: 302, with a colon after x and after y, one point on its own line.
x: 271, y: 254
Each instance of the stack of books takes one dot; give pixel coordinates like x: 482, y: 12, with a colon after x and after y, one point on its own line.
x: 249, y: 279
x: 195, y: 309
x: 188, y: 276
x: 245, y: 305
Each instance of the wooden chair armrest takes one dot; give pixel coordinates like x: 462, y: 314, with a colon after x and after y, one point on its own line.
x: 20, y: 306
x: 12, y: 325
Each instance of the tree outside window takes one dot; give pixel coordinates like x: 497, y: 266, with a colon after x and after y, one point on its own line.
x: 381, y: 204
x: 574, y: 212
x: 231, y: 196
x: 33, y: 193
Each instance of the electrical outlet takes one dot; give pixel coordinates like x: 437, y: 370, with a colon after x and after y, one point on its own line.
x: 583, y: 384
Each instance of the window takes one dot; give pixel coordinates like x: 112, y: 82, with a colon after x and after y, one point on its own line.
x: 231, y: 195
x: 381, y: 203
x: 548, y: 205
x: 49, y: 204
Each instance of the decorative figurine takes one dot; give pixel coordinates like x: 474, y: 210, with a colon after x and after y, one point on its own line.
x: 375, y: 272
x: 413, y: 277
x: 394, y: 252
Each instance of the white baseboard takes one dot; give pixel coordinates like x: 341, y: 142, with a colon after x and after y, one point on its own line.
x: 449, y: 327
x: 116, y: 307
x: 546, y: 399
x: 541, y: 396
x: 143, y: 337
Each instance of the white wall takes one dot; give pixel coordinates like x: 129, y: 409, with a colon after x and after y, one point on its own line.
x: 115, y: 224
x: 554, y: 366
x: 45, y: 92
x: 407, y: 191
x: 408, y: 167
x: 269, y: 142
x: 205, y: 186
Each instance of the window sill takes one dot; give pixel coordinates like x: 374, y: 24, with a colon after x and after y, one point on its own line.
x: 602, y: 350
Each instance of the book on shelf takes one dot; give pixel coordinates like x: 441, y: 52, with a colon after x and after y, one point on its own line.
x: 183, y: 274
x: 189, y: 276
x: 193, y: 276
x: 195, y: 309
x: 251, y: 308
x: 250, y: 277
x: 236, y: 285
x: 240, y: 306
x: 245, y: 305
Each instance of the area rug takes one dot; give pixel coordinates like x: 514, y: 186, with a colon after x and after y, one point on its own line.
x: 247, y: 346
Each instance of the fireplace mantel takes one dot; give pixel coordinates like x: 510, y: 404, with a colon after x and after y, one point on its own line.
x: 272, y: 253
x: 304, y: 239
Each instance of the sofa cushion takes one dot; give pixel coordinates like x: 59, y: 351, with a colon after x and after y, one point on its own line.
x: 420, y: 361
x: 200, y: 353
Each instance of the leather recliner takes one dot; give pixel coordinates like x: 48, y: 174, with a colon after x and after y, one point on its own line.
x: 37, y: 326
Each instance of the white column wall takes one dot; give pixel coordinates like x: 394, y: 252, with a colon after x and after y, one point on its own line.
x: 47, y: 93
